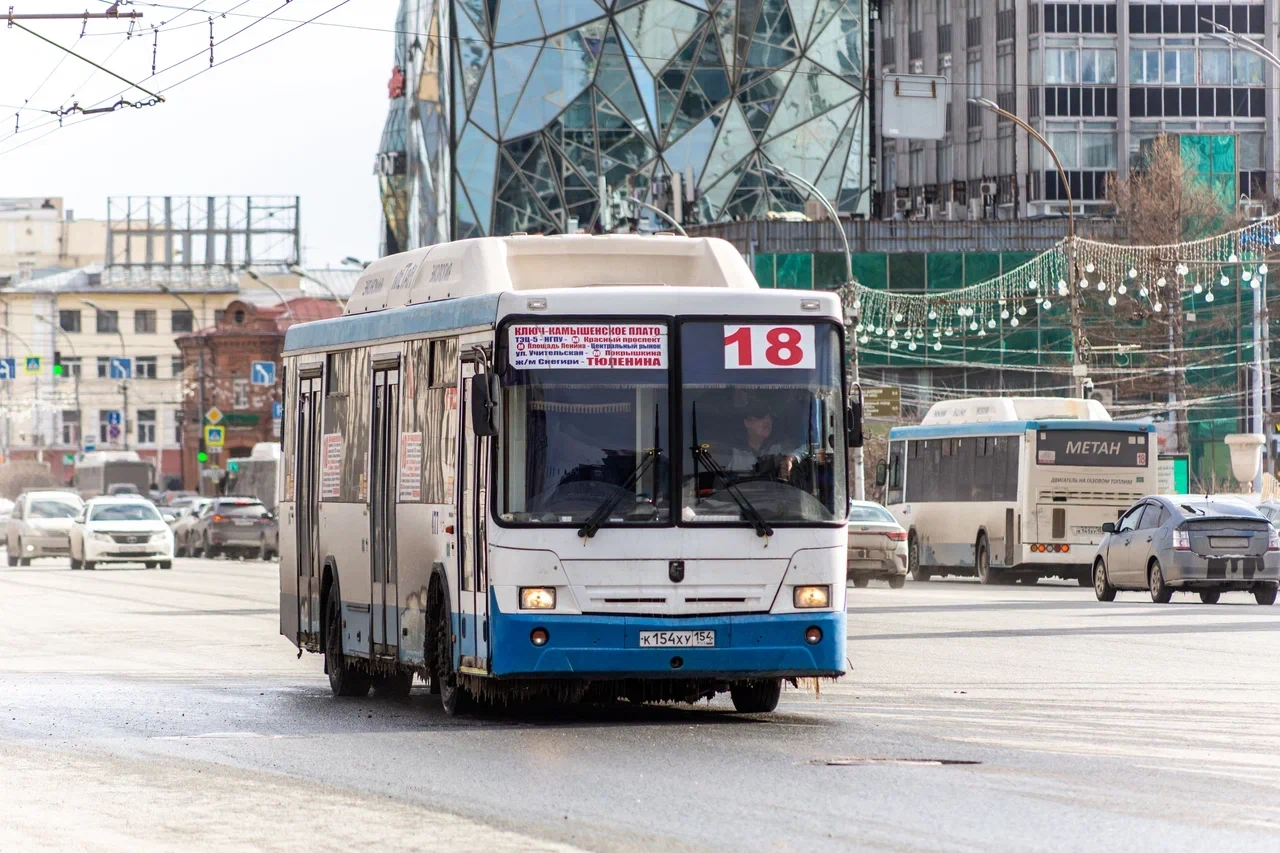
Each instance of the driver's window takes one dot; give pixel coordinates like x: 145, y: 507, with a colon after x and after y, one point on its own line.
x: 1130, y: 520
x: 894, y: 493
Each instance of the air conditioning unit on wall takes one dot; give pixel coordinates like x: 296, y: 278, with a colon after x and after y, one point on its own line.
x: 902, y: 205
x: 988, y: 188
x: 1105, y: 396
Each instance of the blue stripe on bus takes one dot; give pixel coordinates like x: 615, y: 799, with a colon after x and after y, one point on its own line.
x: 425, y: 318
x: 1014, y: 428
x: 585, y: 646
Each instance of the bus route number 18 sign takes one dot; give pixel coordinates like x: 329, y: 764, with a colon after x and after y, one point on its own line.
x: 588, y: 347
x: 769, y: 347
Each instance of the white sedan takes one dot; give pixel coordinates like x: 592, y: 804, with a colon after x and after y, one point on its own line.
x: 125, y: 529
x: 877, y: 545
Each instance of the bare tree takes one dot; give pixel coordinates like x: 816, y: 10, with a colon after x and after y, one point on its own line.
x: 1160, y: 203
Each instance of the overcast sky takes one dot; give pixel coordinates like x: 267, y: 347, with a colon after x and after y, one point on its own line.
x: 300, y: 116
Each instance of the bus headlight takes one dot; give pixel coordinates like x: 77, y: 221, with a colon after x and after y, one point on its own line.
x: 537, y: 598
x: 806, y: 597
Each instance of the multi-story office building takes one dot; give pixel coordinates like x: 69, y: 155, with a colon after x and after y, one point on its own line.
x: 1096, y: 78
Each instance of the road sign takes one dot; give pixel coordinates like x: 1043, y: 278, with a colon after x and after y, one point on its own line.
x: 263, y: 373
x: 214, y: 436
x: 33, y: 364
x: 114, y: 418
x: 90, y: 445
x: 213, y: 416
x: 8, y: 368
x: 882, y: 402
x: 277, y: 409
x: 121, y: 368
x: 113, y: 431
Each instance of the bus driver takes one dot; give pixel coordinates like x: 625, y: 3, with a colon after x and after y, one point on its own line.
x: 753, y: 454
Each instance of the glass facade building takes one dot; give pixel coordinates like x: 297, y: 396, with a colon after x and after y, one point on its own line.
x: 516, y: 120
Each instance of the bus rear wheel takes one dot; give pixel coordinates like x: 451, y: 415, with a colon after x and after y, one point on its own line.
x: 918, y: 574
x: 756, y: 696
x: 982, y: 563
x: 344, y: 679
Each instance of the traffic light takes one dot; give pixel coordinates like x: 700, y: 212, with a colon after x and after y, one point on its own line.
x: 57, y: 370
x: 202, y: 457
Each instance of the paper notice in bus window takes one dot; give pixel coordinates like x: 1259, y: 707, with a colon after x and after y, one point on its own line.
x: 411, y: 466
x: 331, y: 466
x: 588, y: 347
x: 1046, y: 457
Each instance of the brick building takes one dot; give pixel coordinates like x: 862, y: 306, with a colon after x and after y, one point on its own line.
x: 223, y: 356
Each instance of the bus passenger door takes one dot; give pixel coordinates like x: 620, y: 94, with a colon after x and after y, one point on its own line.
x: 473, y: 586
x: 307, y: 456
x: 383, y: 469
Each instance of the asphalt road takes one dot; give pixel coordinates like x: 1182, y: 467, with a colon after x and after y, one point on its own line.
x: 150, y: 710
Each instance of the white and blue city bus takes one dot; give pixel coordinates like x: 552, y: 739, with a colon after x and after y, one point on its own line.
x: 1014, y: 488
x: 570, y: 466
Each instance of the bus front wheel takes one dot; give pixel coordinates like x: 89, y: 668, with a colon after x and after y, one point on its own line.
x: 913, y: 561
x: 756, y: 696
x: 454, y: 697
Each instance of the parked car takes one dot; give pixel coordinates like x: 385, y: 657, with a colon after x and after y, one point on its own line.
x: 1206, y: 545
x: 233, y: 525
x: 6, y: 511
x: 877, y: 545
x: 40, y: 525
x: 176, y: 497
x: 125, y: 529
x: 185, y: 523
x: 1271, y: 511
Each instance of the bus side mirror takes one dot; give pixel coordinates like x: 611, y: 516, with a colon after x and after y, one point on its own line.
x: 882, y: 473
x: 484, y: 404
x: 853, y: 424
x: 1109, y: 527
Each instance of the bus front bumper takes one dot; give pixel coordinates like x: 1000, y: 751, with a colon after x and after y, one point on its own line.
x: 758, y: 645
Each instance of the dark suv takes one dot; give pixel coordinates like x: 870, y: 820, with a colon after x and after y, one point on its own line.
x: 234, y: 525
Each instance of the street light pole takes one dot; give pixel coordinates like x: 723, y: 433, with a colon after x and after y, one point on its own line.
x: 859, y: 475
x: 1079, y: 368
x: 199, y: 419
x: 36, y: 408
x: 666, y: 217
x: 124, y: 384
x: 262, y: 281
x: 79, y: 367
x: 301, y: 273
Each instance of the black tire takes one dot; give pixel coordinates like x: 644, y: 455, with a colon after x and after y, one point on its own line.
x: 861, y: 581
x: 1161, y: 592
x: 13, y: 561
x: 757, y: 696
x: 24, y: 561
x: 913, y: 561
x: 1210, y: 596
x: 264, y: 552
x: 89, y: 565
x: 75, y: 564
x: 165, y: 564
x: 897, y: 581
x: 982, y: 563
x: 344, y: 679
x: 1102, y: 587
x: 149, y: 565
x: 395, y: 686
x: 1265, y: 594
x: 454, y: 697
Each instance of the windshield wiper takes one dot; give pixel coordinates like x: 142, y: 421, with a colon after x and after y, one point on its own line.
x: 702, y: 452
x: 597, y: 518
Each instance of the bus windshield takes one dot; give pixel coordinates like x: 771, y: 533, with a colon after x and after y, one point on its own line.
x: 585, y: 416
x: 763, y: 423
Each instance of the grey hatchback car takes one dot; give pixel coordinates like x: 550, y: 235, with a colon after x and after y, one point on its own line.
x: 1209, y: 545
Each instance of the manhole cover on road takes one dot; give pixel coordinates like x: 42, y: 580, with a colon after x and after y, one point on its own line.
x: 904, y: 762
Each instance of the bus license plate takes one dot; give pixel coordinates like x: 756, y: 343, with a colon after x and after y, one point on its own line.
x: 676, y: 639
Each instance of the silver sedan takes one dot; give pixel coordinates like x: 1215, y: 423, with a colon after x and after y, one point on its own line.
x: 1207, y: 545
x: 877, y: 545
